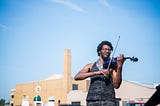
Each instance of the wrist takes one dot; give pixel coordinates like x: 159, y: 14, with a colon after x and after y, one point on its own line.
x: 119, y: 67
x: 96, y: 72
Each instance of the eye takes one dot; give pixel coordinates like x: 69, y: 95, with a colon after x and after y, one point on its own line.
x: 106, y: 49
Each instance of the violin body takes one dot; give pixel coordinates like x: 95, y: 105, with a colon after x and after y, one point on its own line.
x: 113, y: 63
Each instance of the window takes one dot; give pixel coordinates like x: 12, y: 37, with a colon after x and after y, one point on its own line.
x: 12, y: 96
x: 76, y: 103
x: 74, y: 86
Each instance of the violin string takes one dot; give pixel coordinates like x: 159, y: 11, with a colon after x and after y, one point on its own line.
x: 113, y: 53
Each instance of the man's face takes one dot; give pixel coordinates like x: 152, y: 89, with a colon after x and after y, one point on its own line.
x: 105, y: 51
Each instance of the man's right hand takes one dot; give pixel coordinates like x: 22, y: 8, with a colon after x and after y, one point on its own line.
x: 104, y: 72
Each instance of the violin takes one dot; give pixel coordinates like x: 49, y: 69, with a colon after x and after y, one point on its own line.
x: 113, y: 61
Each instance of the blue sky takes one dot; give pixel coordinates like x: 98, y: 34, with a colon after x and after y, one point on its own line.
x: 34, y: 34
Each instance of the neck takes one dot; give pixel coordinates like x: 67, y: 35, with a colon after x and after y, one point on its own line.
x: 100, y: 62
x: 104, y: 58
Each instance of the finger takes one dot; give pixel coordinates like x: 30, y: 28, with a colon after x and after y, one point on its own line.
x: 103, y: 73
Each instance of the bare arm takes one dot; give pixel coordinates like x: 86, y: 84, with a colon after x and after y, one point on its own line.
x: 84, y: 73
x: 117, y: 74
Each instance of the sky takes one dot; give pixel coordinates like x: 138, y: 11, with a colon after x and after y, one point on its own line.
x: 35, y: 33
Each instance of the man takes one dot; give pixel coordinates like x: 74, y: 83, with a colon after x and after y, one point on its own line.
x: 103, y: 78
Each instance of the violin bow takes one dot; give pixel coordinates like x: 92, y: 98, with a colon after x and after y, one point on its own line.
x: 113, y: 53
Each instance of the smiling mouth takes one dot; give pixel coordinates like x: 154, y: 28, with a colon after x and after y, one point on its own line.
x: 107, y: 54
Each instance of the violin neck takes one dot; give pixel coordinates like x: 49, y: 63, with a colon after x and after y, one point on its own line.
x: 127, y: 58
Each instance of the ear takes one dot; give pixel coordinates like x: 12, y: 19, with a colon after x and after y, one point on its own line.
x: 99, y: 52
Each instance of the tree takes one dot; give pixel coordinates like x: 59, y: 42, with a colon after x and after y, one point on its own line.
x: 2, y: 102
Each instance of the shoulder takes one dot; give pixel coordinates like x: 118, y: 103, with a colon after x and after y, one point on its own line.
x: 89, y: 65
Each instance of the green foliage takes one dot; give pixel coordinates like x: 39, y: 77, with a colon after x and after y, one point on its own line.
x: 2, y: 102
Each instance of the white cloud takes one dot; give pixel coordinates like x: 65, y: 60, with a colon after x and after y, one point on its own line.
x: 3, y: 27
x: 105, y: 3
x: 69, y: 4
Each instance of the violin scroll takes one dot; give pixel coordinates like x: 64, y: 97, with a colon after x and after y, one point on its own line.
x: 133, y: 59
